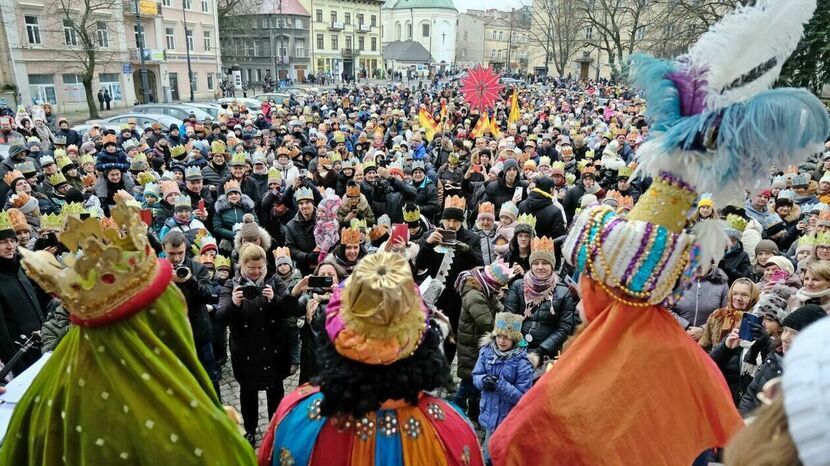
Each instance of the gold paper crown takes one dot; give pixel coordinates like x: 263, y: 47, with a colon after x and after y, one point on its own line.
x: 487, y: 208
x: 625, y: 172
x: 239, y: 159
x: 217, y: 147
x: 367, y: 164
x: 358, y: 223
x: 89, y: 180
x: 558, y: 166
x: 275, y: 176
x: 335, y: 157
x: 455, y: 202
x: 59, y: 152
x: 116, y: 265
x: 570, y: 178
x: 176, y: 151
x: 18, y: 220
x: 339, y: 137
x: 19, y: 200
x: 567, y: 150
x: 526, y: 219
x: 282, y: 252
x: 62, y: 161
x: 623, y: 202
x: 232, y: 185
x: 108, y: 139
x: 350, y: 236
x: 73, y: 209
x: 53, y: 222
x: 411, y: 216
x: 222, y: 262
x: 666, y: 202
x: 821, y: 239
x: 737, y: 222
x: 545, y: 160
x: 353, y: 191
x: 12, y: 177
x: 581, y: 165
x: 590, y: 154
x: 86, y: 158
x: 144, y: 178
x: 323, y: 161
x: 542, y: 244
x: 5, y: 221
x: 57, y: 179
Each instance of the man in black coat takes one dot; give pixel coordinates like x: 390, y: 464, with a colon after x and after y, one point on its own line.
x: 72, y: 136
x: 20, y: 310
x: 194, y: 282
x: 467, y: 250
x: 504, y: 188
x: 299, y: 233
x: 391, y: 193
x: 426, y: 196
x: 550, y: 221
x: 735, y: 262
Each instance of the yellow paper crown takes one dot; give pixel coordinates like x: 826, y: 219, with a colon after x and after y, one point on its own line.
x: 411, y: 216
x: 145, y: 177
x: 558, y: 166
x: 526, y: 219
x: 12, y: 177
x: 59, y: 152
x: 74, y: 209
x: 222, y: 262
x: 5, y: 221
x: 666, y: 202
x: 57, y: 179
x: 62, y: 161
x: 275, y: 176
x: 625, y: 172
x: 117, y: 264
x: 217, y: 147
x: 350, y: 236
x: 176, y: 151
x: 822, y: 239
x: 86, y: 158
x: 239, y: 159
x: 358, y: 223
x: 455, y: 202
x: 737, y: 222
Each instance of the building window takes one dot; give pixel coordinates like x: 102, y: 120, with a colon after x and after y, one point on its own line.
x: 69, y: 36
x: 42, y: 88
x: 188, y: 37
x: 139, y: 36
x: 348, y: 18
x: 166, y: 3
x: 463, y: 53
x: 170, y: 38
x: 194, y: 79
x: 103, y: 34
x: 33, y: 29
x: 208, y: 41
x: 373, y: 20
x: 374, y: 41
x: 333, y: 16
x: 188, y: 4
x: 589, y: 32
x: 319, y: 18
x: 501, y: 35
x: 493, y: 53
x: 360, y: 19
x: 210, y: 81
x: 641, y: 33
x: 409, y: 31
x: 298, y: 23
x: 334, y: 45
x: 205, y: 6
x: 348, y: 42
x: 73, y: 88
x: 320, y: 44
x: 256, y: 48
x: 361, y: 43
x: 495, y: 35
x: 110, y: 81
x: 397, y: 31
x: 299, y: 46
x: 425, y: 30
x: 466, y: 35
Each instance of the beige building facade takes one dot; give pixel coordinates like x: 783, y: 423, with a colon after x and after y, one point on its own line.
x: 493, y: 38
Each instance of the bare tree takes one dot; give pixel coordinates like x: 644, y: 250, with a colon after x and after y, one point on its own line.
x: 88, y: 30
x: 555, y: 30
x: 688, y: 20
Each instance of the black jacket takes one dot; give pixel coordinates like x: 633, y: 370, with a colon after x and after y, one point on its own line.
x: 571, y: 201
x: 498, y: 192
x: 20, y: 310
x: 197, y: 294
x: 255, y: 327
x: 390, y: 195
x: 299, y: 238
x: 426, y: 197
x: 771, y: 368
x: 549, y: 323
x: 736, y: 263
x: 549, y: 219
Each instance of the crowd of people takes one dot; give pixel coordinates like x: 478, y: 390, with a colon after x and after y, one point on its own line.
x: 262, y: 215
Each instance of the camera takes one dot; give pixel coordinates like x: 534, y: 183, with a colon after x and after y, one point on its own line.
x: 250, y: 291
x: 182, y: 271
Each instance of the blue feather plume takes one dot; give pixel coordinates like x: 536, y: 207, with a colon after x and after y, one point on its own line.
x: 650, y: 75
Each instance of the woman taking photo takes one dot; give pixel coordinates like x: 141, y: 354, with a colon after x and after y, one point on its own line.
x: 743, y: 294
x: 254, y: 307
x: 548, y: 308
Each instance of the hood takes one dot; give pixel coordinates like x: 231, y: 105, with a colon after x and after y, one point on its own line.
x: 264, y: 237
x: 223, y: 205
x: 536, y: 201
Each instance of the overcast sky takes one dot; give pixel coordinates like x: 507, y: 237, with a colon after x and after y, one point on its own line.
x: 464, y: 5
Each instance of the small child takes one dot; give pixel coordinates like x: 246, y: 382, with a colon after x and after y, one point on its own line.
x: 502, y: 373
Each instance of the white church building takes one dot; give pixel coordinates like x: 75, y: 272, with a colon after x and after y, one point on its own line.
x: 431, y: 23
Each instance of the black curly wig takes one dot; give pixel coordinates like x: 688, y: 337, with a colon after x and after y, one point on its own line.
x: 350, y: 387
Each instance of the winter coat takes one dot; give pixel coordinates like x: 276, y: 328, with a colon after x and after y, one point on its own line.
x: 188, y: 228
x: 498, y: 192
x: 478, y: 314
x: 363, y: 211
x: 213, y: 175
x: 549, y: 323
x: 703, y: 297
x: 549, y: 219
x: 426, y: 197
x: 299, y: 238
x: 254, y: 329
x: 515, y: 375
x: 20, y: 310
x: 105, y: 161
x: 488, y: 250
x: 197, y: 294
x: 228, y: 215
x: 390, y: 195
x: 248, y: 188
x: 736, y: 264
x: 772, y: 367
x: 55, y: 327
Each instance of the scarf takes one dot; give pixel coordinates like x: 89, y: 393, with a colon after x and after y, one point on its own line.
x: 478, y: 275
x: 504, y: 354
x: 542, y: 193
x: 537, y: 289
x: 804, y: 296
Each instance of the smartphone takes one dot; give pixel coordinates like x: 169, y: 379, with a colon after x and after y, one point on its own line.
x: 747, y: 322
x: 201, y: 205
x: 399, y: 230
x: 319, y: 281
x: 476, y: 168
x: 146, y: 217
x: 779, y: 276
x: 447, y: 236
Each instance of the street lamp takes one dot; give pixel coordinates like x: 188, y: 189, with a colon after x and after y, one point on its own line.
x: 187, y: 50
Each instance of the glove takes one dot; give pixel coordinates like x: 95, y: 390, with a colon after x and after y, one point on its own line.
x: 461, y: 246
x: 489, y: 383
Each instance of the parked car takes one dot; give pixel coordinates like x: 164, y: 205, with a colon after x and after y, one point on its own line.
x: 84, y: 128
x: 250, y: 104
x: 142, y: 120
x: 279, y: 97
x: 209, y: 107
x: 179, y: 111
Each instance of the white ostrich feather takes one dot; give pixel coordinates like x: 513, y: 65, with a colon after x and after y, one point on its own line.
x: 710, y: 235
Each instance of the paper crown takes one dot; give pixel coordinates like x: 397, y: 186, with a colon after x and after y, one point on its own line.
x: 821, y: 239
x: 73, y: 209
x: 526, y: 219
x: 177, y: 151
x: 145, y: 178
x: 282, y: 252
x: 63, y: 161
x: 624, y: 203
x: 353, y: 190
x: 411, y: 213
x: 487, y: 209
x: 509, y: 325
x: 232, y: 186
x: 304, y: 193
x: 359, y: 224
x: 418, y: 165
x: 117, y: 265
x: 57, y: 180
x: 239, y: 159
x: 108, y: 139
x: 274, y: 175
x: 5, y: 222
x: 222, y: 262
x: 377, y: 316
x: 86, y: 158
x: 350, y: 236
x: 542, y: 244
x: 18, y: 220
x: 625, y: 172
x: 498, y: 273
x: 558, y: 168
x: 203, y: 243
x: 13, y: 177
x: 323, y: 161
x: 217, y: 147
x: 182, y: 203
x: 26, y: 167
x: 89, y: 180
x: 192, y: 173
x: 736, y: 222
x: 455, y: 202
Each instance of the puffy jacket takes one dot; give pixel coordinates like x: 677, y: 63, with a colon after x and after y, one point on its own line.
x: 228, y: 215
x: 498, y: 192
x: 426, y: 196
x: 705, y: 296
x: 550, y: 221
x: 363, y: 211
x: 736, y: 264
x: 771, y: 368
x: 213, y: 175
x: 515, y: 379
x: 390, y: 195
x: 477, y: 316
x: 299, y: 238
x: 546, y: 328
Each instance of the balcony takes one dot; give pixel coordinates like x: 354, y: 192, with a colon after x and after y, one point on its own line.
x: 364, y: 28
x: 349, y: 54
x: 146, y: 8
x: 336, y: 26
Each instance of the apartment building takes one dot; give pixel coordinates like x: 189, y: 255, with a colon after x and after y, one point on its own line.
x: 493, y: 38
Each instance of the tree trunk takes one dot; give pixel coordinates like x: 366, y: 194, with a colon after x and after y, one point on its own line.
x: 89, y: 75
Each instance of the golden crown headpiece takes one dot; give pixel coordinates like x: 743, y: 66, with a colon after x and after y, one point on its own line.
x: 59, y: 152
x: 63, y: 161
x: 589, y: 170
x: 625, y: 172
x: 737, y: 222
x: 822, y: 239
x: 335, y: 157
x: 666, y: 202
x: 26, y: 167
x: 5, y: 221
x: 353, y: 190
x: 455, y: 202
x: 358, y: 223
x: 411, y: 213
x: 275, y: 176
x: 239, y: 159
x: 590, y: 154
x: 12, y: 177
x: 581, y: 165
x: 526, y: 219
x: 19, y: 200
x: 177, y: 151
x: 18, y: 220
x: 222, y: 262
x: 350, y: 236
x: 322, y: 161
x: 116, y: 265
x: 232, y: 185
x: 86, y: 158
x: 57, y: 179
x: 570, y: 178
x: 109, y: 139
x: 558, y: 167
x: 217, y: 147
x: 144, y: 178
x: 624, y: 203
x: 73, y: 209
x: 543, y: 244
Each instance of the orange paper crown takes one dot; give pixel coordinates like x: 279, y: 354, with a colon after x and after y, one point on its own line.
x: 487, y: 208
x: 350, y: 236
x: 232, y: 185
x: 623, y: 202
x: 353, y: 191
x: 456, y: 202
x: 282, y: 252
x: 12, y: 177
x: 109, y: 139
x: 542, y: 244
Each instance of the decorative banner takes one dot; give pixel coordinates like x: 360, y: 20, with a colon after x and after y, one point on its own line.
x: 514, y: 108
x: 481, y: 88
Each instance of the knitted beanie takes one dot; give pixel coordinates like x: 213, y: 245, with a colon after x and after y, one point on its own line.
x: 766, y: 245
x: 800, y: 318
x: 509, y: 209
x: 249, y: 232
x: 806, y: 387
x: 782, y: 262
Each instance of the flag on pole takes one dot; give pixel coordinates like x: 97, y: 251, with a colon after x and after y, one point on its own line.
x: 494, y: 127
x: 514, y: 108
x: 426, y: 121
x: 482, y: 125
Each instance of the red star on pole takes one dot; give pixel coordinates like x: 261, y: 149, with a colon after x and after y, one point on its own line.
x: 481, y: 87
